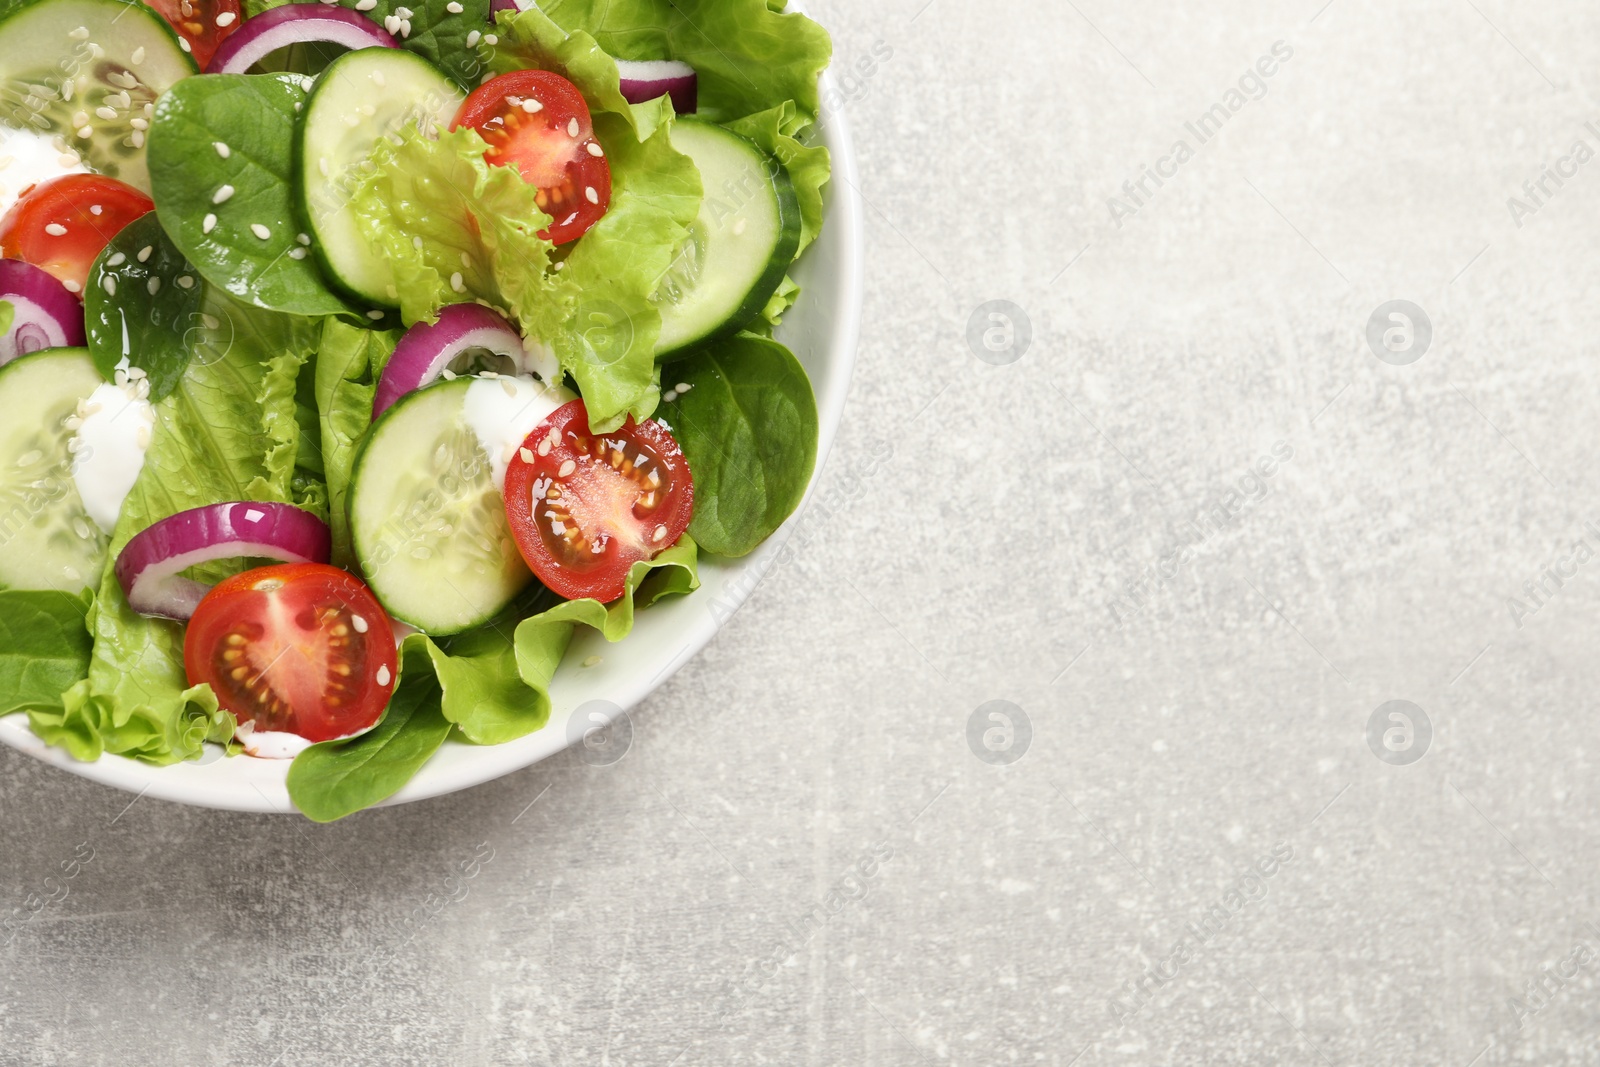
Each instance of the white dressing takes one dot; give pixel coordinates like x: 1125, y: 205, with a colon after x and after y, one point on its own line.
x: 109, y: 447
x: 271, y: 744
x: 26, y: 158
x: 502, y: 411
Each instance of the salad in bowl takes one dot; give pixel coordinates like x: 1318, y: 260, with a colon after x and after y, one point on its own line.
x: 356, y: 359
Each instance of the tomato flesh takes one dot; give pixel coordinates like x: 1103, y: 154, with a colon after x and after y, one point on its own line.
x: 538, y: 122
x: 61, y: 225
x: 585, y: 507
x: 202, y: 25
x: 300, y: 648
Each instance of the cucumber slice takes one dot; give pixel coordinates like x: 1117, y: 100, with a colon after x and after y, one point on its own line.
x: 428, y: 524
x: 66, y: 64
x: 47, y: 540
x: 740, y: 245
x: 362, y: 96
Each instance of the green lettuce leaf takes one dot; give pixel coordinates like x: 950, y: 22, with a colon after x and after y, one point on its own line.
x: 748, y: 427
x: 530, y: 41
x: 456, y: 229
x: 227, y: 432
x: 337, y: 778
x: 8, y: 315
x: 348, y: 363
x: 44, y: 647
x: 748, y: 57
x: 609, y: 345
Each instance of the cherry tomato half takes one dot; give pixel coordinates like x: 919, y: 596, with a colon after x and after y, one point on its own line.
x: 586, y: 507
x: 200, y: 24
x: 301, y: 648
x: 61, y: 225
x: 538, y: 122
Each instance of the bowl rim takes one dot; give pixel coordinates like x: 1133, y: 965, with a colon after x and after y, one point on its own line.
x: 843, y: 220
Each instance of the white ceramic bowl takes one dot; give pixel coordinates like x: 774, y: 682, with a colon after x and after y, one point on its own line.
x: 822, y: 329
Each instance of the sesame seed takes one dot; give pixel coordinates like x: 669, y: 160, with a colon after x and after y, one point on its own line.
x: 454, y: 8
x: 139, y: 124
x: 566, y: 470
x: 136, y: 139
x: 153, y: 285
x: 405, y: 28
x: 297, y: 253
x: 69, y: 159
x: 208, y: 223
x: 683, y: 387
x: 560, y: 266
x: 86, y: 132
x: 117, y: 260
x: 80, y: 118
x: 138, y: 55
x: 472, y: 39
x: 226, y: 18
x: 366, y: 5
x: 403, y: 12
x: 508, y: 387
x: 303, y: 238
x: 185, y: 282
x: 222, y: 150
x: 383, y: 674
x: 448, y: 375
x: 532, y: 106
x: 544, y: 447
x: 378, y: 79
x: 142, y: 438
x: 106, y: 113
x: 590, y: 195
x: 455, y: 282
x: 490, y: 39
x: 358, y: 623
x: 71, y: 286
x: 392, y: 23
x: 222, y: 194
x: 143, y: 255
x: 572, y: 127
x: 110, y: 284
x: 416, y: 242
x: 55, y: 229
x: 79, y: 34
x: 661, y: 532
x: 374, y: 315
x: 322, y: 165
x: 592, y: 661
x: 183, y: 44
x: 260, y: 230
x: 595, y: 149
x: 526, y: 454
x: 466, y: 261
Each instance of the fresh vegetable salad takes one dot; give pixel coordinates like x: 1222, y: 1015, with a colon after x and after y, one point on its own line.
x: 353, y: 355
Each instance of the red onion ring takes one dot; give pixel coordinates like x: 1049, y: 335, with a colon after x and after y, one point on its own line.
x: 149, y: 566
x: 46, y: 314
x: 427, y: 349
x: 644, y: 80
x: 290, y: 24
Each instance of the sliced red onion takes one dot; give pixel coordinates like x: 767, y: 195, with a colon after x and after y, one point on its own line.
x: 258, y: 37
x: 427, y: 349
x: 149, y: 566
x: 46, y: 314
x: 508, y: 5
x: 644, y: 80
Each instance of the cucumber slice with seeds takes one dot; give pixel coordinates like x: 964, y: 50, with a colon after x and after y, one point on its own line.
x: 362, y: 96
x: 739, y: 246
x: 428, y: 524
x: 88, y: 72
x: 47, y: 540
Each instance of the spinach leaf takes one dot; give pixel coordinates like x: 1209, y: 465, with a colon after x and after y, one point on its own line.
x: 748, y: 426
x: 335, y: 778
x: 142, y: 300
x: 221, y: 154
x: 44, y: 647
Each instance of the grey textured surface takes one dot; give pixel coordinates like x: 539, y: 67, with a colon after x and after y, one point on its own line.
x: 979, y: 530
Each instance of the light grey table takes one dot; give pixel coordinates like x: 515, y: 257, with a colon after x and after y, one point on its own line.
x: 802, y: 859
